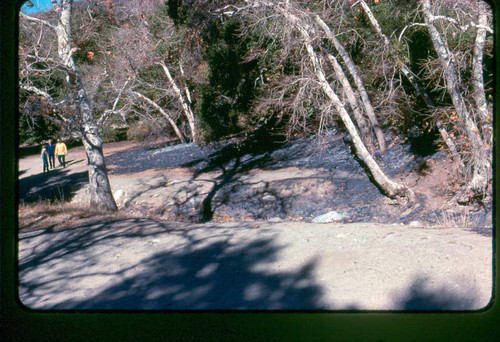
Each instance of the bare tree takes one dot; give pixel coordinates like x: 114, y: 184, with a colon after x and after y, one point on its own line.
x: 412, y: 78
x: 464, y: 116
x: 156, y: 64
x: 365, y: 100
x: 301, y: 29
x: 101, y: 197
x: 480, y: 149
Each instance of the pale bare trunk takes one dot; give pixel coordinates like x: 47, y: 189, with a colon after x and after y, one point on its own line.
x: 165, y: 114
x: 353, y: 102
x: 186, y: 107
x: 478, y: 81
x: 481, y: 159
x: 389, y: 187
x: 365, y: 100
x: 374, y: 22
x: 101, y: 197
x: 411, y: 78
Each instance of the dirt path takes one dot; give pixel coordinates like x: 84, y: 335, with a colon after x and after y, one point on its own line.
x: 157, y: 263
x: 147, y: 264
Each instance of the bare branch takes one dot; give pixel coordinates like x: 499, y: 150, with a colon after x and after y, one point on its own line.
x: 36, y: 91
x: 462, y: 28
x: 111, y: 111
x: 162, y: 111
x: 38, y: 20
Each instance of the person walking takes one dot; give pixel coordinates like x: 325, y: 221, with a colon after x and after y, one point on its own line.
x: 51, y: 149
x: 61, y: 152
x: 45, y: 159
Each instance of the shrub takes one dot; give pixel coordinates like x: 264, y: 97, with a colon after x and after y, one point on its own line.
x: 144, y: 131
x: 109, y: 134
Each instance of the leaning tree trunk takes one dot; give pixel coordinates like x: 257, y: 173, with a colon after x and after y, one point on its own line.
x: 478, y: 80
x: 389, y: 187
x: 365, y: 100
x: 420, y: 92
x: 101, y: 197
x: 186, y: 107
x: 481, y: 161
x: 353, y: 103
x: 165, y: 114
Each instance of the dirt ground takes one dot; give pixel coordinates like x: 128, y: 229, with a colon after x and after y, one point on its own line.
x: 298, y: 183
x: 262, y: 252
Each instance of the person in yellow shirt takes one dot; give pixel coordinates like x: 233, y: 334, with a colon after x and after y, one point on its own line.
x: 61, y: 152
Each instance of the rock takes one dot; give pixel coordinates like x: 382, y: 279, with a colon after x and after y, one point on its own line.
x: 415, y: 224
x: 118, y: 194
x: 331, y: 216
x: 267, y: 199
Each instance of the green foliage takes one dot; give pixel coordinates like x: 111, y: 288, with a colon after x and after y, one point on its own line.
x: 177, y: 11
x: 35, y: 129
x: 110, y: 134
x: 156, y: 20
x: 230, y: 89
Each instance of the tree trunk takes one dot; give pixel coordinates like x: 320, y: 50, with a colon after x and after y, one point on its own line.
x: 478, y: 81
x: 101, y: 197
x: 353, y: 102
x: 389, y: 187
x: 481, y: 159
x: 186, y: 108
x: 420, y: 92
x: 374, y: 22
x: 165, y: 114
x: 357, y: 80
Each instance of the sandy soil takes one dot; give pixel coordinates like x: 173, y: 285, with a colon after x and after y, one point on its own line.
x: 151, y: 264
x: 79, y: 261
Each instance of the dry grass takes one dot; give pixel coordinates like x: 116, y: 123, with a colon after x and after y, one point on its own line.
x: 62, y: 215
x: 462, y: 220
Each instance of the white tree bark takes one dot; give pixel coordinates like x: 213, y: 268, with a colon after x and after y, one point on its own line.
x: 101, y: 197
x: 186, y: 107
x: 353, y: 102
x: 365, y: 100
x: 374, y: 22
x: 413, y: 81
x: 165, y: 114
x: 391, y: 188
x: 481, y: 160
x: 478, y: 81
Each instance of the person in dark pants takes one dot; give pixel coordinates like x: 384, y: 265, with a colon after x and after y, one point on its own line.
x: 45, y: 159
x: 51, y: 151
x: 61, y: 152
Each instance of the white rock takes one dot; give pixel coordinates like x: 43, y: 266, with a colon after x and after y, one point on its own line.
x: 118, y: 194
x: 268, y: 199
x: 329, y: 217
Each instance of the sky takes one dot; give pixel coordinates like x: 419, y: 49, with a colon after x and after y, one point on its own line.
x: 39, y: 5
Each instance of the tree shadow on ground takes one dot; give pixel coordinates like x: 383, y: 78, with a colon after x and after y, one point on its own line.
x: 57, y: 184
x: 233, y: 160
x: 421, y: 297
x: 190, y: 271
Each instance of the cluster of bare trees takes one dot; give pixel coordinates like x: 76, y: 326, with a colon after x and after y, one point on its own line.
x: 305, y: 32
x: 144, y: 68
x: 68, y: 105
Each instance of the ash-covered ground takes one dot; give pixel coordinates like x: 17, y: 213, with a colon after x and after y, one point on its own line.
x: 326, y: 183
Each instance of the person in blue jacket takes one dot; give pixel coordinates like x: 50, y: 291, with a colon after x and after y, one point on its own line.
x: 45, y: 159
x: 51, y: 151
